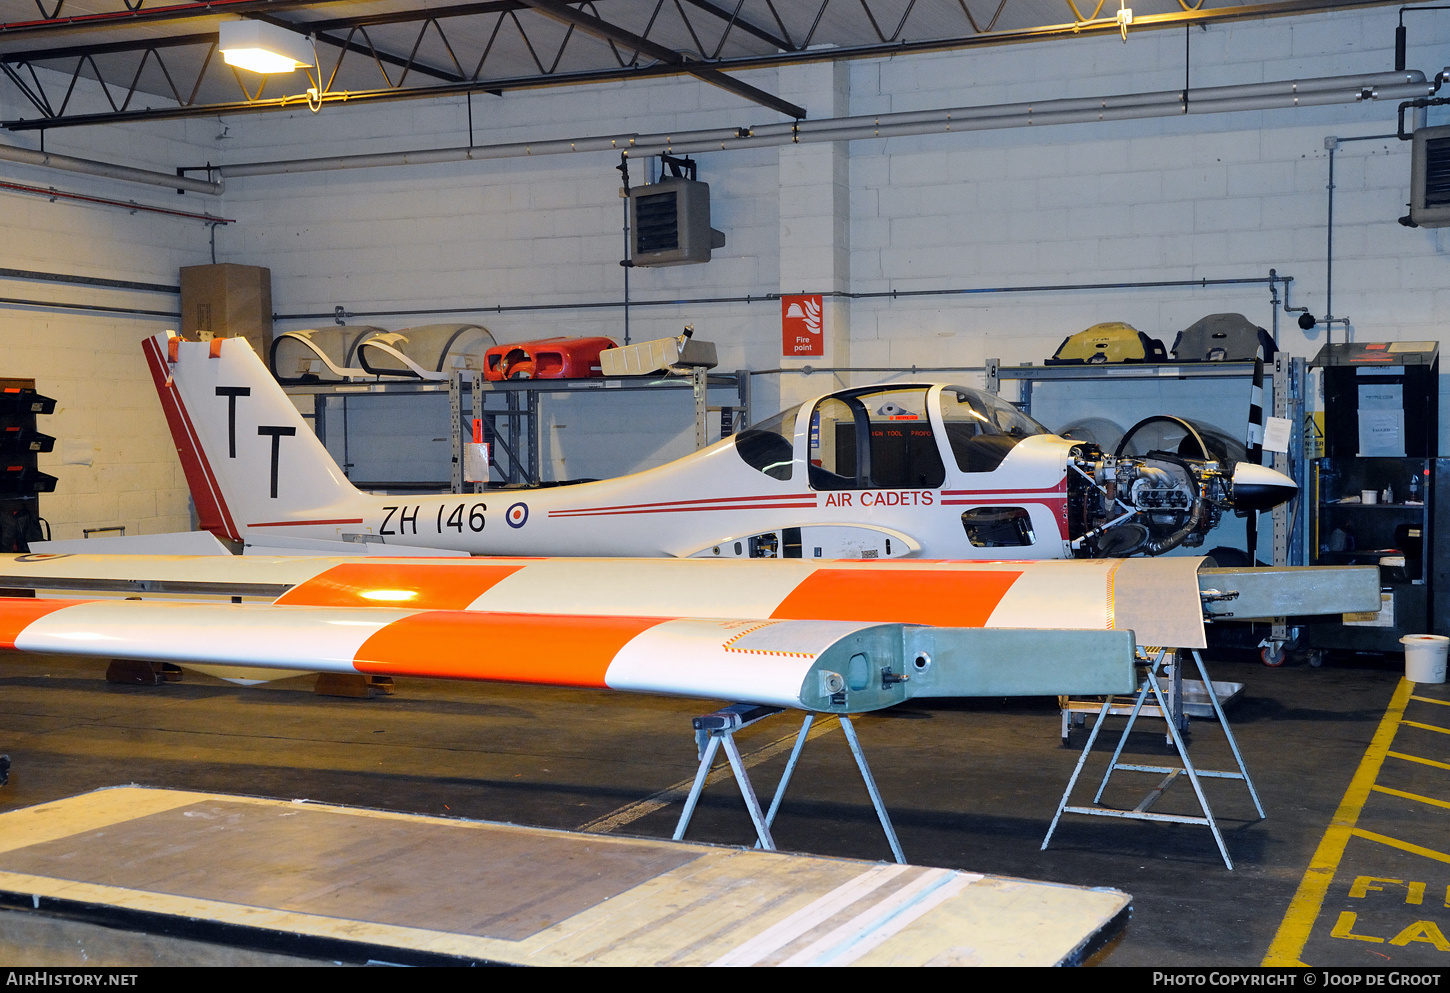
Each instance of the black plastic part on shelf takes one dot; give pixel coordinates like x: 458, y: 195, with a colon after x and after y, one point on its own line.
x: 25, y: 479
x: 15, y: 400
x: 19, y: 438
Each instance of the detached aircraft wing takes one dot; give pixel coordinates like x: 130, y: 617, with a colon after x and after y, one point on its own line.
x: 823, y: 666
x: 837, y: 637
x: 828, y: 637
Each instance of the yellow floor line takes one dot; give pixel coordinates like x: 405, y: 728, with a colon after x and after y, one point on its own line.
x: 1427, y: 727
x: 1403, y: 846
x: 1413, y: 796
x: 1430, y: 699
x: 1416, y: 758
x: 1293, y: 933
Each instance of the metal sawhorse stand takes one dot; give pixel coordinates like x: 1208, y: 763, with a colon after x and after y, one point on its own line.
x: 720, y: 727
x: 1165, y: 664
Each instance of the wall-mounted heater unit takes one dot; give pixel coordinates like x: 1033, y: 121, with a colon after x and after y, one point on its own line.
x: 669, y: 223
x: 1430, y: 178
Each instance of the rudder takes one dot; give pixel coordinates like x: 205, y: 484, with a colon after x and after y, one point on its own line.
x: 249, y: 457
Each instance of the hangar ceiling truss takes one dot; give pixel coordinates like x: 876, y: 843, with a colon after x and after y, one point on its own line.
x: 107, y: 61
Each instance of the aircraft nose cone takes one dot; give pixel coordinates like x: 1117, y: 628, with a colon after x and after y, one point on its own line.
x: 1257, y: 487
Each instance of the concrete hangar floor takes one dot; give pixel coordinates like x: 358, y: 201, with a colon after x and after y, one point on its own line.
x: 970, y: 786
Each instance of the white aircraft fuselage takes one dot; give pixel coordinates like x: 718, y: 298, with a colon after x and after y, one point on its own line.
x: 930, y: 471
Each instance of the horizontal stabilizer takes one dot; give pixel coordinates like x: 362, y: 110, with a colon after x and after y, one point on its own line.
x: 1290, y: 591
x: 281, y: 545
x: 170, y: 543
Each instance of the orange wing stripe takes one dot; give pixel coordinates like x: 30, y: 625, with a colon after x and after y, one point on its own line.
x: 18, y: 613
x: 433, y: 587
x: 518, y: 648
x: 907, y: 596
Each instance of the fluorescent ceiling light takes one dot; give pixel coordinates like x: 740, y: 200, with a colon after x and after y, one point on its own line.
x: 262, y: 47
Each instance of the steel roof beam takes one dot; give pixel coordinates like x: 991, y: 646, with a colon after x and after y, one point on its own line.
x: 210, y: 40
x: 612, y: 74
x: 351, y: 97
x: 175, y: 12
x: 109, y: 48
x: 262, y: 14
x: 348, y: 45
x: 422, y: 14
x: 733, y: 19
x: 599, y: 28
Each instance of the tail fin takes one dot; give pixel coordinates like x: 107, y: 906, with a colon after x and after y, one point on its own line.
x: 249, y: 457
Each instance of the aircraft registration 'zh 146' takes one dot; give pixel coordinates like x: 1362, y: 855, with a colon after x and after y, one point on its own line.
x: 893, y: 471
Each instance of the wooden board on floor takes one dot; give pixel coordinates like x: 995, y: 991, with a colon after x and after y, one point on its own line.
x: 479, y: 891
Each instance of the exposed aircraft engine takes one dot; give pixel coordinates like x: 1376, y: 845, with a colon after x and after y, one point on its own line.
x: 1150, y: 503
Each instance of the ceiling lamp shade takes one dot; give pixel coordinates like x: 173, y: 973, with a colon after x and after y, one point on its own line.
x: 262, y: 47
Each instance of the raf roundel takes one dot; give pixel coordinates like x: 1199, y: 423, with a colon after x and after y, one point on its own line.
x: 518, y: 515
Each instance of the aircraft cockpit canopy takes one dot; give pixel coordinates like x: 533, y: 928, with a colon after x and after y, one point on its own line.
x: 882, y: 437
x: 982, y: 428
x: 769, y: 445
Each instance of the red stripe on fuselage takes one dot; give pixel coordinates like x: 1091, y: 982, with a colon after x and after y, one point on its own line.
x: 1060, y: 488
x: 811, y: 505
x: 755, y: 502
x: 1011, y: 499
x: 735, y: 499
x: 285, y: 524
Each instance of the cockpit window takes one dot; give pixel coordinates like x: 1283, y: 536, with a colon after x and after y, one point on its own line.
x: 767, y: 446
x: 879, y: 439
x: 982, y: 428
x: 833, y: 452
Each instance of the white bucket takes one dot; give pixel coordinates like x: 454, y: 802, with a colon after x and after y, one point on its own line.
x: 1425, y: 657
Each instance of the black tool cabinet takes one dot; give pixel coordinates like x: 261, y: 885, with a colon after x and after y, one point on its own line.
x: 1381, y: 431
